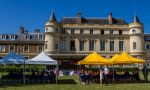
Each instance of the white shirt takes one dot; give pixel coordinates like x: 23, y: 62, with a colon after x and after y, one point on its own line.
x: 101, y: 75
x: 106, y: 71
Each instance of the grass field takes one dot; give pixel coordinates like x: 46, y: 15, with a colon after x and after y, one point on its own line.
x: 74, y: 84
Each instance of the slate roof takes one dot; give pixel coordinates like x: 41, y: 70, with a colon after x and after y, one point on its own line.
x: 73, y: 20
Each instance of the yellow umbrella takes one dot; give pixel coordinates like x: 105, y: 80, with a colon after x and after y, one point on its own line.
x: 136, y: 60
x: 94, y: 59
x: 125, y: 58
x: 114, y: 57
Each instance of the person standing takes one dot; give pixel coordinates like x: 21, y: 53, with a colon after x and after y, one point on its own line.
x: 145, y: 73
x: 106, y: 73
x: 101, y: 77
x: 82, y: 77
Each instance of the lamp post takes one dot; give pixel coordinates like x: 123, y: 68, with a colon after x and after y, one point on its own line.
x: 19, y: 38
x: 59, y: 27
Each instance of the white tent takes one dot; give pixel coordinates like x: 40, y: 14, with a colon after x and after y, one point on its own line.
x: 42, y: 58
x: 12, y: 58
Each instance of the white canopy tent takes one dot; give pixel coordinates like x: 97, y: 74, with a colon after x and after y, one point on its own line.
x: 12, y: 58
x: 42, y: 58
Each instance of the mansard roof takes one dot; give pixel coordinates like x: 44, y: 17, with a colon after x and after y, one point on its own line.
x: 73, y: 20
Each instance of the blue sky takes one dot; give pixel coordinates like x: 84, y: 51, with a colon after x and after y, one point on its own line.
x: 33, y: 14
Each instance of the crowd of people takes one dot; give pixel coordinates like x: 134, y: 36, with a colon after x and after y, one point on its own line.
x: 34, y: 77
x: 93, y: 76
x: 86, y: 76
x: 104, y: 75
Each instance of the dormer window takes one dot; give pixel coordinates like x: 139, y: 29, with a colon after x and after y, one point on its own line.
x: 40, y: 37
x: 27, y: 37
x: 3, y: 37
x: 12, y: 37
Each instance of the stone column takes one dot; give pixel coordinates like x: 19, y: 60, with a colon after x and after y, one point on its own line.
x: 67, y: 44
x: 77, y: 45
x: 107, y: 47
x: 97, y: 45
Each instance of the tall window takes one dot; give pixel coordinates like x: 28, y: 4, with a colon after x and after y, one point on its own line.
x: 26, y: 57
x: 2, y: 48
x: 91, y: 31
x: 121, y: 45
x: 148, y: 58
x: 111, y: 56
x: 63, y: 31
x: 111, y: 45
x: 56, y: 45
x: 111, y: 32
x: 147, y: 46
x: 11, y: 48
x: 81, y: 45
x: 134, y: 45
x: 26, y: 48
x: 91, y: 45
x: 72, y: 45
x: 46, y: 46
x: 102, y: 32
x: 102, y: 45
x: 39, y: 48
x: 63, y: 45
x: 81, y: 31
x: 120, y: 32
x: 72, y: 31
x: 1, y: 57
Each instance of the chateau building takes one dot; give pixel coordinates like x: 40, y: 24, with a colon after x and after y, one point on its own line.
x: 72, y: 38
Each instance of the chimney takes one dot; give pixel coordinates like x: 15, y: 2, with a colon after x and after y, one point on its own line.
x: 110, y: 18
x: 21, y: 30
x: 79, y: 18
x: 37, y: 31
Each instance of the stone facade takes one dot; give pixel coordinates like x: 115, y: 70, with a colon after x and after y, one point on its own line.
x: 78, y: 36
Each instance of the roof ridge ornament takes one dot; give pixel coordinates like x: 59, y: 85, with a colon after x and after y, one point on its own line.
x: 52, y: 17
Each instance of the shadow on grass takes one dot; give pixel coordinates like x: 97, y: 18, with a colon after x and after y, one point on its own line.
x: 67, y: 81
x: 129, y: 82
x: 61, y: 81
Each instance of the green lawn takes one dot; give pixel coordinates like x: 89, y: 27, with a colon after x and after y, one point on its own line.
x: 75, y: 85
